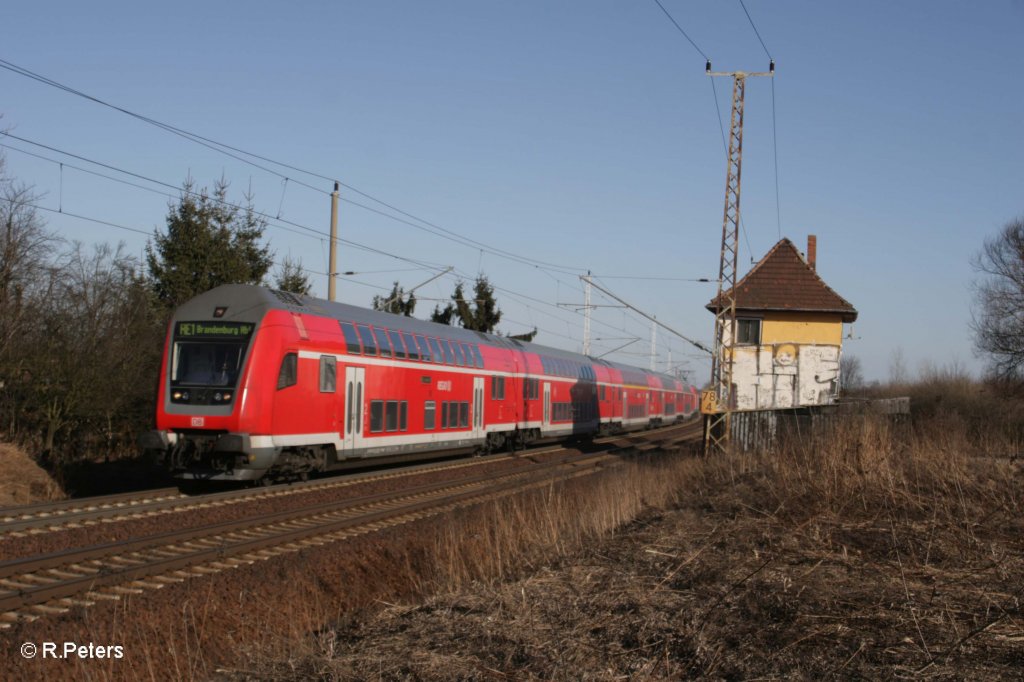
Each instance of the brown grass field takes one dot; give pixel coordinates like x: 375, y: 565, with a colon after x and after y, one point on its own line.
x: 875, y: 551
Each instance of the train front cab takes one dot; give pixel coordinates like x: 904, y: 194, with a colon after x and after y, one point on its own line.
x: 203, y: 394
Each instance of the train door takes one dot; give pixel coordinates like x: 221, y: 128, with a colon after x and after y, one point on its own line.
x: 352, y: 436
x: 547, y: 403
x: 478, y: 407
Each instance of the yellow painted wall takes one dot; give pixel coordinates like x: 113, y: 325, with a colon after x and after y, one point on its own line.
x: 816, y: 328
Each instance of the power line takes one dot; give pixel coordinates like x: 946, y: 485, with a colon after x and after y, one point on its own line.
x: 680, y: 28
x: 272, y: 221
x: 775, y: 143
x: 756, y: 32
x: 220, y: 147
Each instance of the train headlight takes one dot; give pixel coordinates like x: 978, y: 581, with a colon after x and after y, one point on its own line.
x: 176, y: 395
x: 227, y: 397
x: 218, y: 397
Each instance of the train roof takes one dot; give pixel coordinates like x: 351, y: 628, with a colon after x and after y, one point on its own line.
x: 249, y: 303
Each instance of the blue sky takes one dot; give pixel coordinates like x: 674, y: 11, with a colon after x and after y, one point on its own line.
x: 583, y: 134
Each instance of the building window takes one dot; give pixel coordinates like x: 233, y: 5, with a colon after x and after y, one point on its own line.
x: 748, y: 331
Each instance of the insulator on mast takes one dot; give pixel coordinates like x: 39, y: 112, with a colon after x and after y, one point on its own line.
x: 707, y: 67
x: 771, y: 66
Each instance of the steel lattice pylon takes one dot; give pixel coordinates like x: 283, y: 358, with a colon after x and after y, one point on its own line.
x: 717, y: 419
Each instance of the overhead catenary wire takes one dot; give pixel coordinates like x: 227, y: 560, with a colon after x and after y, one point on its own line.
x: 775, y: 143
x: 272, y: 221
x: 275, y: 221
x: 233, y: 152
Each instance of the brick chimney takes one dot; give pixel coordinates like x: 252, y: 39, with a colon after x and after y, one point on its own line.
x: 812, y: 252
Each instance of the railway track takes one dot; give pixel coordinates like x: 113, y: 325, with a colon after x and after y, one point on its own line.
x: 53, y: 583
x: 46, y: 517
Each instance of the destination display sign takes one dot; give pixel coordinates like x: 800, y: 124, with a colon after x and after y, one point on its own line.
x: 214, y: 330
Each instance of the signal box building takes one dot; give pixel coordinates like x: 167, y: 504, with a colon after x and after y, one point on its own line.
x: 789, y: 332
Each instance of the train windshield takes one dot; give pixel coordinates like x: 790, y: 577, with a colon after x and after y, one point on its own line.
x: 209, y: 354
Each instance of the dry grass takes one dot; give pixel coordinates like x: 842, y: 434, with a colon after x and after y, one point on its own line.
x: 22, y: 481
x: 876, y: 552
x: 871, y: 553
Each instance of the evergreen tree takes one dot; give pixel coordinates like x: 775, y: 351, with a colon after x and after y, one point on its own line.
x: 396, y: 302
x: 479, y: 314
x: 208, y: 242
x: 291, y: 278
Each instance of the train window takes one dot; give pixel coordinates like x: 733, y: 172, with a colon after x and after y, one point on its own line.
x: 348, y: 409
x: 446, y: 352
x: 382, y: 342
x: 289, y: 374
x: 497, y: 388
x: 391, y: 416
x: 403, y: 416
x: 477, y: 356
x: 460, y: 360
x: 352, y: 344
x: 424, y: 347
x: 435, y: 348
x: 600, y: 390
x: 444, y: 415
x: 531, y: 389
x: 428, y: 414
x: 359, y: 406
x: 453, y: 416
x: 369, y: 343
x: 328, y: 373
x: 463, y: 415
x: 396, y: 344
x: 410, y: 346
x: 376, y: 416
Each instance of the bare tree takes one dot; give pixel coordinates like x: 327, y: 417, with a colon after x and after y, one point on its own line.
x: 998, y: 316
x: 26, y: 248
x: 851, y: 374
x: 898, y: 372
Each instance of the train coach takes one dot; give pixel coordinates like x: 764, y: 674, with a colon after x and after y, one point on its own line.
x: 264, y: 384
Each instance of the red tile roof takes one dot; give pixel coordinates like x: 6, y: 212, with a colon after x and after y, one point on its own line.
x: 783, y: 281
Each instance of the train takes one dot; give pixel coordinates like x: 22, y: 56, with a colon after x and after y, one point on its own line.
x: 258, y: 384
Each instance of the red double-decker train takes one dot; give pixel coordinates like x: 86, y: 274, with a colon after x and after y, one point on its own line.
x: 260, y: 383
